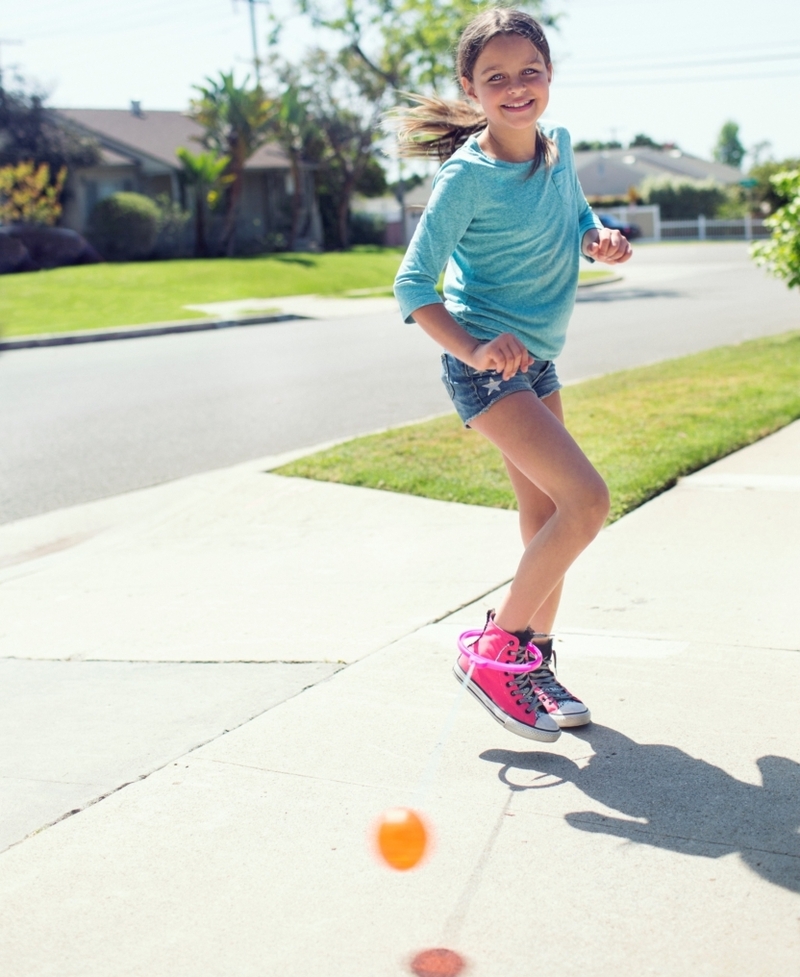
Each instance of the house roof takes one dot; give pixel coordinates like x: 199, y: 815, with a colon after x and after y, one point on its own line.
x: 612, y: 172
x: 156, y: 135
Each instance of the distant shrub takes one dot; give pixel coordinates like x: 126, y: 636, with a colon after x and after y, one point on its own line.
x: 684, y: 199
x: 28, y: 195
x: 124, y: 227
x: 174, y: 235
x: 367, y: 229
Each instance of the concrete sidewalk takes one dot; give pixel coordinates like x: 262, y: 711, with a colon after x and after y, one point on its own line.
x: 263, y: 665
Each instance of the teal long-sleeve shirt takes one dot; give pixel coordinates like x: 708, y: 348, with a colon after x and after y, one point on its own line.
x: 511, y: 244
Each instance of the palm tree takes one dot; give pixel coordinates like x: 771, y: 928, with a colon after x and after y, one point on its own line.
x: 236, y: 119
x: 296, y: 131
x: 204, y: 172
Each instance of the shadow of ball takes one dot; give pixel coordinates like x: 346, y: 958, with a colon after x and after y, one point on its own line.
x: 437, y: 963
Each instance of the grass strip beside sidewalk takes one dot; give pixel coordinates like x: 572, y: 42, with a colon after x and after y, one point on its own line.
x: 642, y: 428
x: 107, y: 295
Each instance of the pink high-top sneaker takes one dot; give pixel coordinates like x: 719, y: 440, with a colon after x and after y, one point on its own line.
x: 500, y: 681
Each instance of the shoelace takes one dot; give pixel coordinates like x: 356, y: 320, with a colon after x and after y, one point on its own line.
x: 544, y: 679
x: 526, y: 689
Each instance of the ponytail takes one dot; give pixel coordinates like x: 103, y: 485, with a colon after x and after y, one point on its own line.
x: 435, y: 128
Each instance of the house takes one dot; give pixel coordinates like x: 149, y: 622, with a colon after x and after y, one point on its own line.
x: 613, y: 173
x: 137, y: 152
x: 415, y: 202
x: 616, y: 172
x: 385, y: 211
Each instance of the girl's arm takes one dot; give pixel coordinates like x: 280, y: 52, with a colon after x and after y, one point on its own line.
x: 505, y: 353
x: 598, y: 243
x: 606, y: 245
x: 446, y: 218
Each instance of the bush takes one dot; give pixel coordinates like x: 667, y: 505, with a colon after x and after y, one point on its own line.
x: 174, y: 238
x: 367, y: 229
x: 684, y: 199
x: 124, y: 227
x: 29, y: 196
x: 781, y: 254
x: 765, y: 194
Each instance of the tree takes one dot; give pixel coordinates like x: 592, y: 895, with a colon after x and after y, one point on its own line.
x: 28, y: 196
x: 31, y: 134
x: 781, y: 254
x: 294, y: 129
x: 640, y: 140
x: 236, y: 119
x: 29, y: 131
x: 372, y: 182
x: 348, y: 122
x: 204, y: 172
x: 408, y: 44
x: 765, y: 195
x: 584, y: 146
x: 728, y: 149
x: 331, y: 106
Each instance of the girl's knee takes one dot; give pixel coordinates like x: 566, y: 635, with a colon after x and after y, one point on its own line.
x: 598, y: 504
x: 590, y: 507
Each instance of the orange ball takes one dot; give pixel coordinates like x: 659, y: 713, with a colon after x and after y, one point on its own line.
x: 402, y: 838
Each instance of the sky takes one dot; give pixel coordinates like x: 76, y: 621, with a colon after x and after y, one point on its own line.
x: 673, y: 69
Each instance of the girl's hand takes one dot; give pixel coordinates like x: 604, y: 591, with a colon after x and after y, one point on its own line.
x: 504, y: 354
x: 608, y: 246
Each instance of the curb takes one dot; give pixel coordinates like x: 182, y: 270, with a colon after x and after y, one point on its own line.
x: 135, y: 332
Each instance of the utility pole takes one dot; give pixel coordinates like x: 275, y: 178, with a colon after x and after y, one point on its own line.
x: 256, y: 59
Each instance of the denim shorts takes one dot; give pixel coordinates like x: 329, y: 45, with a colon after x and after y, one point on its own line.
x: 473, y: 392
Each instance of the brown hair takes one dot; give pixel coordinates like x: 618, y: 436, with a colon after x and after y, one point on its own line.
x: 436, y: 127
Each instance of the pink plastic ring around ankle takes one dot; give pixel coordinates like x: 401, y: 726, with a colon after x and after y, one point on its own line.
x: 480, y: 661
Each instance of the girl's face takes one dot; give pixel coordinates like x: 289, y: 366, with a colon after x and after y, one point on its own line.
x: 511, y: 81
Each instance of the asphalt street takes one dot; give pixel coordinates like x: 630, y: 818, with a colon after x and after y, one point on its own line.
x: 87, y: 422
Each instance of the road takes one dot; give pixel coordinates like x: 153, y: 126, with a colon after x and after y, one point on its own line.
x: 86, y: 422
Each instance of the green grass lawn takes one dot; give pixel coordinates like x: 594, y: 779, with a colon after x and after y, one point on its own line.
x: 97, y: 296
x: 642, y: 429
x: 101, y: 296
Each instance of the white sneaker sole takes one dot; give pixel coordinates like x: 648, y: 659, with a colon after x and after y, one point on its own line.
x: 508, y: 722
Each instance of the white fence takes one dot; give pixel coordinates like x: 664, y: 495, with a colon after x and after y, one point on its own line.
x: 705, y: 229
x: 653, y: 228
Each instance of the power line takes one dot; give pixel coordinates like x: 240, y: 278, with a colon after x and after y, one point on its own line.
x: 703, y: 53
x: 672, y: 80
x: 660, y: 66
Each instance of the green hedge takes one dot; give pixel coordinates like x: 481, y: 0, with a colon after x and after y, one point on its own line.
x: 124, y: 227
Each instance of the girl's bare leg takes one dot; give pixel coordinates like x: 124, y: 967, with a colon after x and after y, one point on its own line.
x: 535, y: 508
x: 536, y: 443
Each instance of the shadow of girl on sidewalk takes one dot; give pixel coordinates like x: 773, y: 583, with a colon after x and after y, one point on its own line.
x: 680, y: 803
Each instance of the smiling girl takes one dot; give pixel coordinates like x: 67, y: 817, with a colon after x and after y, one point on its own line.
x: 509, y: 221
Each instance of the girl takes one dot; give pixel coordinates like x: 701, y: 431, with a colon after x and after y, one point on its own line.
x: 508, y: 218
